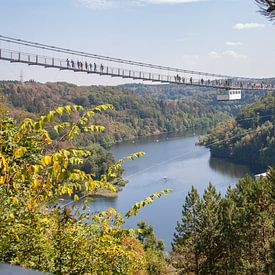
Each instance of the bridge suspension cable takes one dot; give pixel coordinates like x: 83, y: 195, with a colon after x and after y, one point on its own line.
x: 143, y: 71
x: 107, y: 58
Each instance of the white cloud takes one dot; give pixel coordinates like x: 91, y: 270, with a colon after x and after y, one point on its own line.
x: 233, y: 44
x: 247, y: 26
x: 226, y: 54
x: 96, y: 4
x: 106, y: 4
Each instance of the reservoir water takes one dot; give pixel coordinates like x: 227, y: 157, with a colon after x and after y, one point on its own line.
x: 170, y: 162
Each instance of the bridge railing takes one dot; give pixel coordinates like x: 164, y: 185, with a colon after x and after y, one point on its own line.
x: 92, y: 66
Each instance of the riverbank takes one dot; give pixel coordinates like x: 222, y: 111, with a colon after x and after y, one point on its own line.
x: 178, y: 159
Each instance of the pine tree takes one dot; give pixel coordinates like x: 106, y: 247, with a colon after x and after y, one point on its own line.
x: 185, y: 243
x: 210, y: 240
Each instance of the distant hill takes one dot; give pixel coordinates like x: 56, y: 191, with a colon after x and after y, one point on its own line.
x: 133, y: 115
x: 206, y: 96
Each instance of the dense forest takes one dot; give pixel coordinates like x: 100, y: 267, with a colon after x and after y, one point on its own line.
x: 132, y: 116
x: 205, y: 96
x: 233, y: 234
x: 249, y: 138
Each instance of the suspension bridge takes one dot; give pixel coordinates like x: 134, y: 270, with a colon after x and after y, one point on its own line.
x: 17, y: 50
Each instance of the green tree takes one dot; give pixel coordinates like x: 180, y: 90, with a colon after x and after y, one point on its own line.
x: 186, y: 247
x: 154, y: 249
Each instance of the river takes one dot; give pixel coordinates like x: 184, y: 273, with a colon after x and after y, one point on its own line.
x: 170, y: 162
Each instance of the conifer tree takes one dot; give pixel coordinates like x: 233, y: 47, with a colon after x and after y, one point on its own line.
x: 185, y: 243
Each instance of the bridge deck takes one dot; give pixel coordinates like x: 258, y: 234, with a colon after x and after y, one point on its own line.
x: 106, y: 70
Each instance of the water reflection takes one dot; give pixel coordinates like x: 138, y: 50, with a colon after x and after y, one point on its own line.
x: 173, y: 162
x: 228, y: 168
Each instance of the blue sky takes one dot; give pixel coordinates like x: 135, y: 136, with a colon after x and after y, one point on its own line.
x: 219, y: 36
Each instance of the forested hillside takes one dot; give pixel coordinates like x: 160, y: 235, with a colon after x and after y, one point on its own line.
x: 206, y: 96
x: 249, y: 138
x: 132, y: 116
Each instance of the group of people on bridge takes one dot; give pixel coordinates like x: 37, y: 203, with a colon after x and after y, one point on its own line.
x: 223, y: 83
x: 93, y: 67
x: 79, y: 65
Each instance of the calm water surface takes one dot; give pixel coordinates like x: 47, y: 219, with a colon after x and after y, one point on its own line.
x: 170, y: 162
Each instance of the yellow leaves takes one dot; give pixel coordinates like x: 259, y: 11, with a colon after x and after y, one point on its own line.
x: 45, y: 161
x: 61, y: 126
x: 94, y: 128
x: 2, y: 179
x: 135, y: 209
x: 45, y: 220
x: 36, y: 168
x: 14, y: 200
x: 3, y: 164
x: 69, y: 191
x: 35, y: 184
x: 56, y: 165
x: 136, y: 155
x: 19, y: 152
x: 112, y: 187
x: 11, y: 215
x: 92, y: 184
x: 30, y: 205
x: 14, y: 185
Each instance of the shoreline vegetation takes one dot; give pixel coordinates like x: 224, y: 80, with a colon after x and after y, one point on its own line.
x: 247, y: 139
x: 132, y: 117
x: 40, y: 162
x: 136, y: 114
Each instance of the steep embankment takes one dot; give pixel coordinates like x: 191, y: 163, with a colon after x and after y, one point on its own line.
x: 249, y: 138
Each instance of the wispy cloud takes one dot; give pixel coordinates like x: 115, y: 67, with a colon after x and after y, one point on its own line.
x: 233, y: 44
x: 96, y: 4
x: 248, y: 26
x: 107, y: 4
x: 226, y: 54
